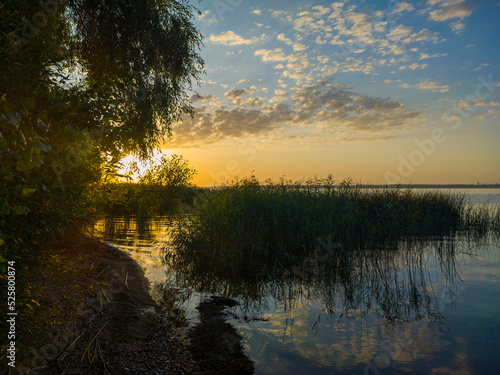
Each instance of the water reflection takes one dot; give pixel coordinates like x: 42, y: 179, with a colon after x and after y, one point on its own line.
x: 392, y: 280
x: 407, y: 306
x: 380, y: 307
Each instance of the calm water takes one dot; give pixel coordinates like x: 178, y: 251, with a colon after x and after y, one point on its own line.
x: 434, y: 309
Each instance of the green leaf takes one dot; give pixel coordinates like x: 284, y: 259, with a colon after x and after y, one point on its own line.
x: 2, y: 242
x: 20, y: 210
x: 28, y: 192
x: 29, y: 103
x: 23, y: 165
x: 8, y: 106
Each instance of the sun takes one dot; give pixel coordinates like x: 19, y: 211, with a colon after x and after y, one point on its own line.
x: 135, y: 168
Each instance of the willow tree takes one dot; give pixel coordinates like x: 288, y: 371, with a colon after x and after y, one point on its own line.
x: 81, y: 83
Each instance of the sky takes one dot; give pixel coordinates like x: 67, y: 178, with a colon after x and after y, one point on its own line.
x: 377, y: 91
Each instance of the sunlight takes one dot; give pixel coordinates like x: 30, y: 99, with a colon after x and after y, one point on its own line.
x: 135, y: 168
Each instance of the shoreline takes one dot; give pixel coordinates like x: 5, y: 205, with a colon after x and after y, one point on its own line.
x: 119, y: 330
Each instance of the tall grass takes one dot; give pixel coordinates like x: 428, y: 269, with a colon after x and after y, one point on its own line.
x: 248, y: 222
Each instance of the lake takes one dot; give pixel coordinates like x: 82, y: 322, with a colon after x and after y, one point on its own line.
x: 427, y: 306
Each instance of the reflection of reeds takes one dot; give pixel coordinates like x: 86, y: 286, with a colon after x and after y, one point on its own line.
x: 291, y: 242
x: 390, y: 279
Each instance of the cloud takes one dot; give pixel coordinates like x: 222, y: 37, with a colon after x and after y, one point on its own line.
x: 299, y: 47
x: 336, y: 108
x: 235, y: 93
x: 208, y: 127
x: 494, y: 112
x: 403, y: 7
x: 413, y: 66
x: 451, y: 9
x: 457, y: 26
x: 282, y: 38
x: 424, y: 56
x: 278, y: 99
x: 254, y: 102
x: 207, y: 18
x: 195, y: 98
x: 477, y: 103
x: 230, y: 38
x: 424, y: 35
x: 277, y: 54
x: 323, y: 108
x: 429, y: 86
x: 399, y: 32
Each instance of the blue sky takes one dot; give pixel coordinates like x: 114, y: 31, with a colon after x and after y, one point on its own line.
x: 380, y: 91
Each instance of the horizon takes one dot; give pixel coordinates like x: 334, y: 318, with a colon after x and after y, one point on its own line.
x: 386, y: 92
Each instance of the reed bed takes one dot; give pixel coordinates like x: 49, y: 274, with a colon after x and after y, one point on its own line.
x: 287, y: 240
x: 254, y: 224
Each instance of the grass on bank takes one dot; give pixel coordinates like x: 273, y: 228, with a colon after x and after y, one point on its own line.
x: 54, y: 287
x: 250, y: 223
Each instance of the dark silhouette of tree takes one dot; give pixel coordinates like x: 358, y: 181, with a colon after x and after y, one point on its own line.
x: 83, y: 82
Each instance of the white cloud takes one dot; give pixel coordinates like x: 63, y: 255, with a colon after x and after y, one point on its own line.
x: 207, y: 18
x: 230, y: 38
x: 277, y: 54
x: 282, y: 38
x: 413, y: 66
x: 430, y: 86
x: 403, y: 7
x: 299, y: 47
x: 424, y: 56
x: 399, y: 32
x: 451, y: 9
x: 201, y: 98
x: 235, y: 95
x: 494, y: 112
x: 424, y: 35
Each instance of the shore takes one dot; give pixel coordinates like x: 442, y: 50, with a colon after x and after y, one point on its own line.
x: 116, y: 329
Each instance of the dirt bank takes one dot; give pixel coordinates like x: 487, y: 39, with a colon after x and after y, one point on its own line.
x: 94, y: 315
x: 115, y: 329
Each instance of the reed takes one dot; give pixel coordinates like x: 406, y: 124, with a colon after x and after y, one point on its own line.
x: 323, y: 240
x: 254, y: 223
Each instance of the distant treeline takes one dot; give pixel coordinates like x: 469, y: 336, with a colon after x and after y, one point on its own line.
x: 436, y: 186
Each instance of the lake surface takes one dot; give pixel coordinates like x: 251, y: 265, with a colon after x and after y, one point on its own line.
x: 431, y: 306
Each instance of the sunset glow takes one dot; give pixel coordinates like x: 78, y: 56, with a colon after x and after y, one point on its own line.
x: 380, y: 91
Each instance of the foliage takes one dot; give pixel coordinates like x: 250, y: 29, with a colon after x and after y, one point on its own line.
x: 82, y: 83
x: 162, y: 189
x: 253, y: 225
x: 173, y: 171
